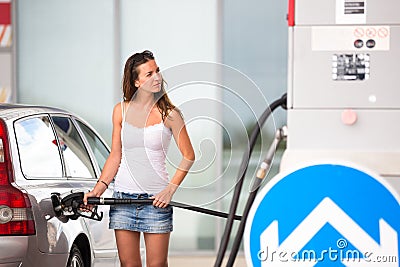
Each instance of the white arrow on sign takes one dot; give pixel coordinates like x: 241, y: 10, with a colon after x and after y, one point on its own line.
x: 328, y: 212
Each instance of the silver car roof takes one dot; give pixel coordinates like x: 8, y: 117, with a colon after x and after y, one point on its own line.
x: 11, y: 111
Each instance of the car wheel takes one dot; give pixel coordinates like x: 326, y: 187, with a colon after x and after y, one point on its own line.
x: 75, y: 257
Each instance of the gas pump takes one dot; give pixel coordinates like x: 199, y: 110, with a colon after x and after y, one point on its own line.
x: 343, y: 97
x: 336, y: 198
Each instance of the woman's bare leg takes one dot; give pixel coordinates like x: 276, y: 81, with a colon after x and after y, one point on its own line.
x: 128, y: 243
x: 156, y: 249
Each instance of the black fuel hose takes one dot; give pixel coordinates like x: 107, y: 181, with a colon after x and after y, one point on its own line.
x: 262, y: 172
x: 120, y: 201
x: 240, y: 231
x: 241, y: 174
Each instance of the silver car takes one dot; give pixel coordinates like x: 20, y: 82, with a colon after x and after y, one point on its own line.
x: 45, y: 150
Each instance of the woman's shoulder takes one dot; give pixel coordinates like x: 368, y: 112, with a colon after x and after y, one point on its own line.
x: 117, y: 111
x: 117, y: 108
x: 174, y: 113
x: 121, y: 106
x: 174, y: 117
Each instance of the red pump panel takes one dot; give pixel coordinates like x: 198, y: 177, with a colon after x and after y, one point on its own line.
x: 5, y: 13
x: 291, y: 13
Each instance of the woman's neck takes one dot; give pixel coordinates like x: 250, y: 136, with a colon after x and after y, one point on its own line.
x: 145, y: 100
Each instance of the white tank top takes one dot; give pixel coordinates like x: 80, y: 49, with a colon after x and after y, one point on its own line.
x: 143, y: 168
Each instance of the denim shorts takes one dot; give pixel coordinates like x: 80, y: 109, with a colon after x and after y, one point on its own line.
x: 140, y: 218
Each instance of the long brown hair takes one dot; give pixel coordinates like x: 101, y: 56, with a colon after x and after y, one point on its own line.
x: 131, y: 74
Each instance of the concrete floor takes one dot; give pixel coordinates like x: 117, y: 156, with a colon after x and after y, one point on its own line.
x: 200, y: 261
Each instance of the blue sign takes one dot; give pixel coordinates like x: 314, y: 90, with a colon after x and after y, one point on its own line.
x: 324, y: 215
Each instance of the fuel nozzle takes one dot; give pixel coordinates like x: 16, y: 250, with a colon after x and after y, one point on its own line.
x: 71, y: 206
x: 262, y: 171
x: 280, y: 135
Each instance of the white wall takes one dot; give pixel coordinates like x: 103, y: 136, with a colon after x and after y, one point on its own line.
x: 65, y: 57
x: 176, y: 31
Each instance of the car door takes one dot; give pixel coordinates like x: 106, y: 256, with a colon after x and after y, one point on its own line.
x: 84, y: 155
x: 39, y: 171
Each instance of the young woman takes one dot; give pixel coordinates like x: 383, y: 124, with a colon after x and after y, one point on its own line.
x: 143, y: 125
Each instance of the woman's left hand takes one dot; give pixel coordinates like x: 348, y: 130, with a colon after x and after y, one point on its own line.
x: 163, y: 198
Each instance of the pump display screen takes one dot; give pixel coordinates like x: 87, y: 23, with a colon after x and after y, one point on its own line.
x: 347, y: 67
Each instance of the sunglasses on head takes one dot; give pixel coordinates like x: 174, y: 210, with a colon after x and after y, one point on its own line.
x: 140, y: 56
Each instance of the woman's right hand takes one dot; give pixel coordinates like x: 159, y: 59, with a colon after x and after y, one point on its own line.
x: 87, y: 195
x: 97, y: 191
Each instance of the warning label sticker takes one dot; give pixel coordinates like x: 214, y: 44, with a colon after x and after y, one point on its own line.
x: 351, y: 11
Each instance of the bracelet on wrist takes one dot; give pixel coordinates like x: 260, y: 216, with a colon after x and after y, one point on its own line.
x: 101, y: 181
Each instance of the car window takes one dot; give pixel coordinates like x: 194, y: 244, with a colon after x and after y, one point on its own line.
x: 37, y: 147
x: 100, y: 151
x: 76, y: 157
